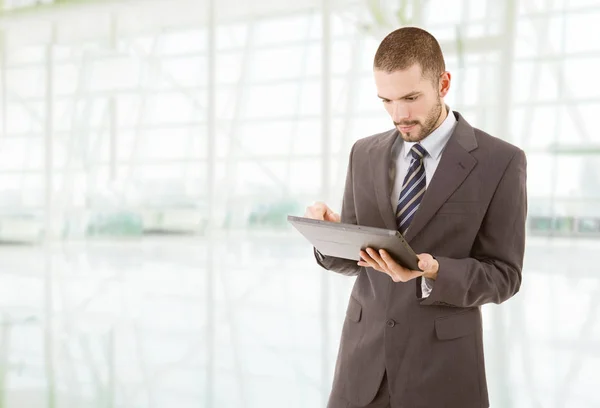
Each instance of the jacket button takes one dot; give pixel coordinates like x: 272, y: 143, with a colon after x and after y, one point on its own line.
x: 390, y: 323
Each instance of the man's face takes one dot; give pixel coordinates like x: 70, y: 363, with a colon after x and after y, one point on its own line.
x: 414, y: 102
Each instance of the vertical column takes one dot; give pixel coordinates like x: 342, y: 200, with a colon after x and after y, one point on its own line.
x: 5, y: 326
x: 562, y: 93
x: 112, y: 109
x: 501, y: 340
x: 325, y: 179
x: 210, y: 177
x: 506, y: 73
x: 111, y: 397
x: 112, y: 154
x: 3, y: 83
x: 48, y: 222
x: 48, y: 136
x: 112, y: 157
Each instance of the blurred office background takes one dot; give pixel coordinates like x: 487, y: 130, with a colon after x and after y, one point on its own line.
x: 151, y: 150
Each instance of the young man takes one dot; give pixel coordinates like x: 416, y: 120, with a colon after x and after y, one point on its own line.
x: 413, y: 339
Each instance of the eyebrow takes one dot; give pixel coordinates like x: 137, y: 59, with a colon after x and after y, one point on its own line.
x: 408, y: 95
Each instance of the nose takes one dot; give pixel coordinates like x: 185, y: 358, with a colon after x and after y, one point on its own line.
x: 400, y: 112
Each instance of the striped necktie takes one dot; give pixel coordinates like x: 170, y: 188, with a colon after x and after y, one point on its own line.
x: 413, y: 189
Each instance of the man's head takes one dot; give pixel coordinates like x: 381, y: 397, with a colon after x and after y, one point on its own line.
x: 411, y: 80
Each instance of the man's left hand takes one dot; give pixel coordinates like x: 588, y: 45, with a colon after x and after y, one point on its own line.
x: 383, y: 262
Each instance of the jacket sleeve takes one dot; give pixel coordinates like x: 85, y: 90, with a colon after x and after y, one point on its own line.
x: 492, y: 273
x: 348, y: 216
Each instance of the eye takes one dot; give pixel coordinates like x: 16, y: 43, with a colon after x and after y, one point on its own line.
x: 385, y: 101
x: 411, y: 98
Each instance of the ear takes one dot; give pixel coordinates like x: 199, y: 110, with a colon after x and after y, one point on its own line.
x: 444, y: 85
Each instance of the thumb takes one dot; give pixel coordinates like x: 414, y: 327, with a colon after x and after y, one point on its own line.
x: 332, y: 216
x: 423, y: 264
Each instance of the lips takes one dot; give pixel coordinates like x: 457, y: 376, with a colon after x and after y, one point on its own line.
x: 407, y: 128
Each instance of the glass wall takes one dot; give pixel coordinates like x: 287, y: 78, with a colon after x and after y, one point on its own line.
x: 151, y: 151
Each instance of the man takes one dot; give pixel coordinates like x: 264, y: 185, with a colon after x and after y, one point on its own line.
x: 413, y: 339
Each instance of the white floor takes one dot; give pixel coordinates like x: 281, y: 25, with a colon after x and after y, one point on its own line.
x: 251, y: 321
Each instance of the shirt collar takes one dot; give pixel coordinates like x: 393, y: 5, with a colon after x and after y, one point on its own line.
x: 436, y: 141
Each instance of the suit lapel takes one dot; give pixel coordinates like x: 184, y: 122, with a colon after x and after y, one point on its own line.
x: 379, y: 165
x: 455, y: 165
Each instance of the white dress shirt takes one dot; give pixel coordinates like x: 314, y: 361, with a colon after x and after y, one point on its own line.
x: 434, y: 144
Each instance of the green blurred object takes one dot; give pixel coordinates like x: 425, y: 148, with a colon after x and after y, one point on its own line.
x: 401, y: 15
x: 377, y: 12
x: 588, y: 226
x: 381, y: 24
x: 540, y: 224
x: 122, y: 224
x: 273, y: 215
x: 460, y: 46
x: 564, y: 225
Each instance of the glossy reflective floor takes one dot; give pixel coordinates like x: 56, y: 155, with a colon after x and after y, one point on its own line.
x: 158, y: 323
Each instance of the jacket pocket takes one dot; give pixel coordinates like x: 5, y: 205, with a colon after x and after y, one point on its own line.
x: 458, y: 325
x: 354, y: 311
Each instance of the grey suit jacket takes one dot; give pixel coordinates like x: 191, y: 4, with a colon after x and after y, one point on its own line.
x: 472, y: 220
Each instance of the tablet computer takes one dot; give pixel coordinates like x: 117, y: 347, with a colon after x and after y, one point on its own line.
x: 346, y: 240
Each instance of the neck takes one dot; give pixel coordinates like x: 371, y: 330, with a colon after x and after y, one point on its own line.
x: 443, y: 116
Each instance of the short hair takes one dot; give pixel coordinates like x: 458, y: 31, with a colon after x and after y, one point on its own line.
x: 407, y: 46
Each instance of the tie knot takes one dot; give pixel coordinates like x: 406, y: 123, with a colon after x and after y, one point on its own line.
x: 418, y: 152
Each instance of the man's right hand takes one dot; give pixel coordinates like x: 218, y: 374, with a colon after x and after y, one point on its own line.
x: 320, y: 211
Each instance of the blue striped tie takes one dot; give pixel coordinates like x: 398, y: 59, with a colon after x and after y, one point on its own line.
x: 413, y: 189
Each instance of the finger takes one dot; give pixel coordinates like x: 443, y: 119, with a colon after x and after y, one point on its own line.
x: 387, y: 258
x: 311, y: 214
x: 320, y: 213
x: 314, y: 213
x: 425, y: 260
x: 327, y: 212
x: 370, y: 262
x: 320, y: 206
x: 324, y: 210
x: 366, y: 258
x: 390, y: 263
x: 375, y: 256
x: 320, y: 209
x: 396, y: 271
x: 331, y: 216
x: 393, y: 266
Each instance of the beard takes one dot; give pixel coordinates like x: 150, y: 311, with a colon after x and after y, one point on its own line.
x: 421, y: 130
